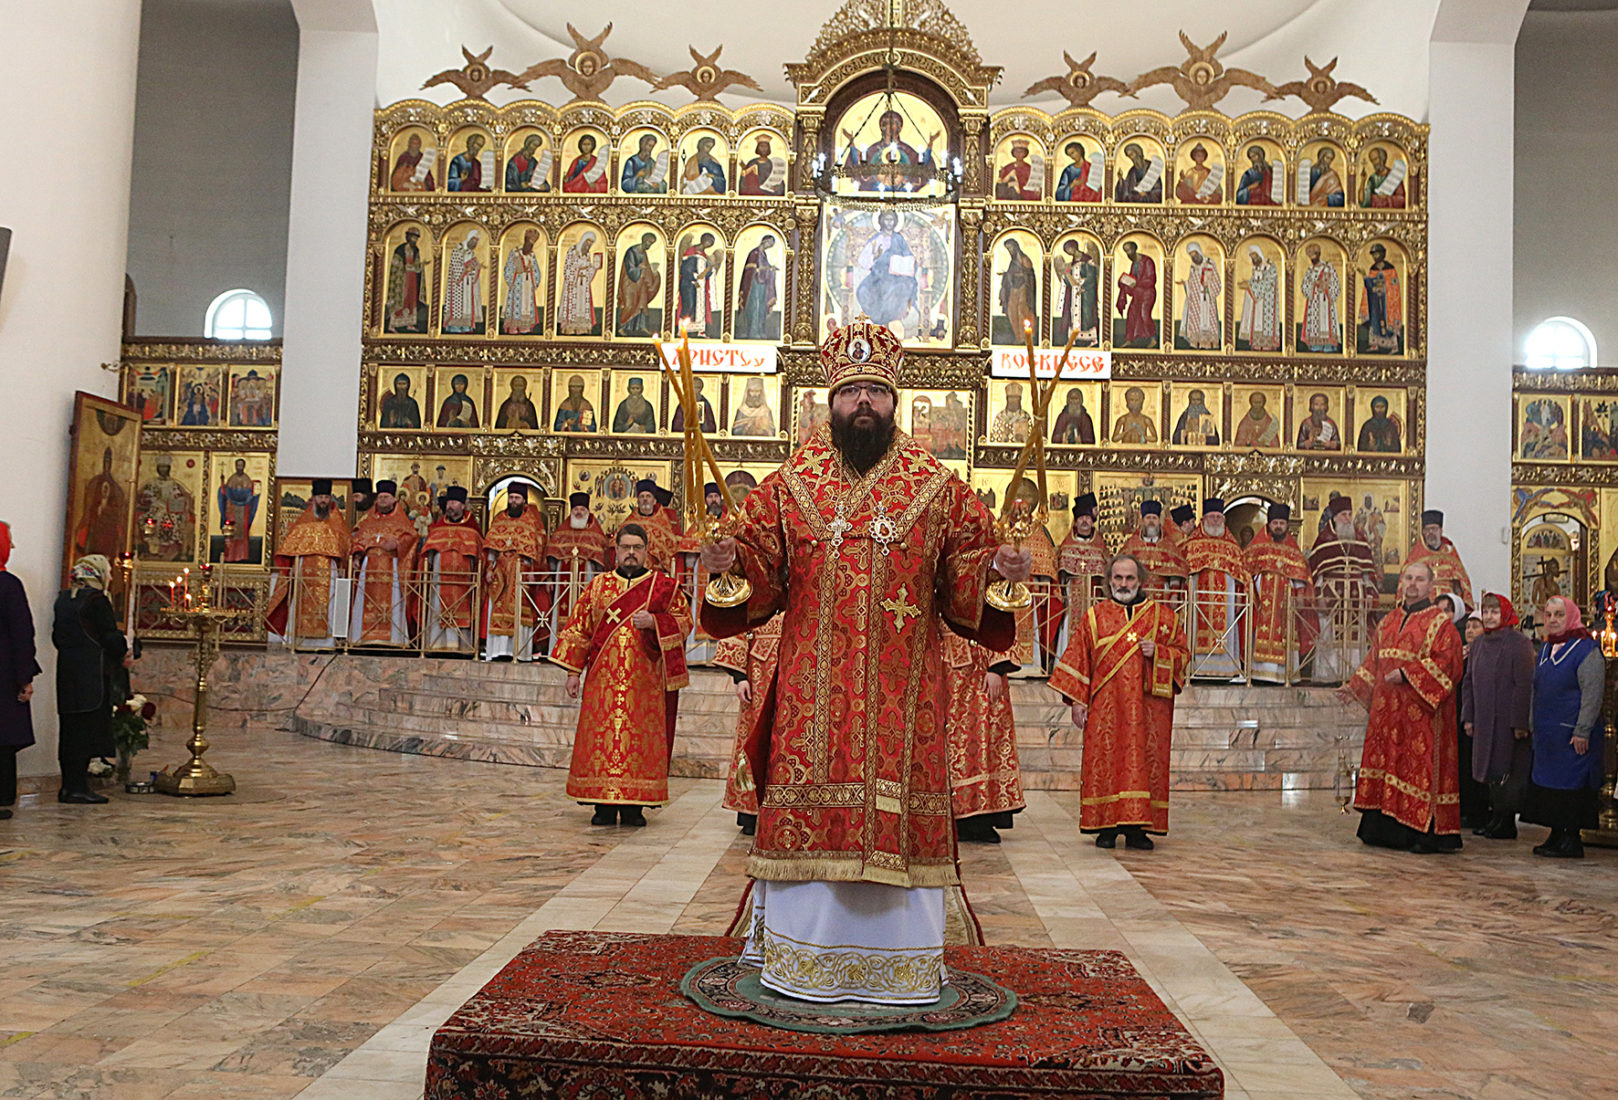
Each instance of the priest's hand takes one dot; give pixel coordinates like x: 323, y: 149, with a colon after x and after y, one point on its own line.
x: 719, y: 557
x: 643, y: 620
x: 1397, y: 676
x: 1148, y: 648
x: 1081, y: 712
x: 744, y: 691
x: 994, y: 686
x: 1014, y: 564
x: 573, y: 685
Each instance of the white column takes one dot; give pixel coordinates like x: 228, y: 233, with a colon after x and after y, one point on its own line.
x: 1469, y: 320
x: 325, y: 293
x: 61, y: 306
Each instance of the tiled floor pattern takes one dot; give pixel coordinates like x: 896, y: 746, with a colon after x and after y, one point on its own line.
x: 306, y: 936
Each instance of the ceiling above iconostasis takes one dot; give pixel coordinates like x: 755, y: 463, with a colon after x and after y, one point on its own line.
x: 1379, y: 44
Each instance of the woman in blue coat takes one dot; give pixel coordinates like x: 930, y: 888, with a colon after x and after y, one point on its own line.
x: 1567, y: 732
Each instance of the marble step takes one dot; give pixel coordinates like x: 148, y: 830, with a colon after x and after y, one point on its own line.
x: 427, y: 699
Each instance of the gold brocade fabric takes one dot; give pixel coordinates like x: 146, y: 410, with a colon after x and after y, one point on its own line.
x: 1408, y: 769
x: 863, y: 568
x: 306, y: 553
x: 1217, y: 566
x: 984, y: 774
x: 754, y: 655
x: 1276, y: 567
x: 621, y: 749
x: 1124, y: 771
x: 382, y: 566
x: 459, y: 547
x: 1447, y: 568
x: 517, y: 545
x: 1163, y: 558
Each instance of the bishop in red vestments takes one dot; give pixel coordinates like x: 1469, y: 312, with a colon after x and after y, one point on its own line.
x: 626, y: 638
x: 1440, y: 553
x: 1280, y: 588
x: 449, y: 564
x: 1219, y: 594
x: 1409, y: 788
x: 867, y: 544
x: 1126, y: 662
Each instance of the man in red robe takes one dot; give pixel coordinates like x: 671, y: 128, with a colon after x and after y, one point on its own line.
x: 1219, y: 595
x: 384, y: 542
x: 1409, y: 789
x: 575, y: 552
x: 1346, y: 579
x: 450, y: 556
x: 1081, y: 563
x: 1137, y: 298
x: 626, y: 637
x: 867, y: 544
x: 1449, y: 575
x: 513, y: 602
x: 1127, y: 661
x: 1280, y: 587
x: 662, y: 524
x: 308, y: 561
x: 1157, y: 551
x: 985, y: 777
x: 751, y: 660
x: 1182, y: 524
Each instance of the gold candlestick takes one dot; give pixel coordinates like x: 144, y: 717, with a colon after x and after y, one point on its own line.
x: 196, y: 777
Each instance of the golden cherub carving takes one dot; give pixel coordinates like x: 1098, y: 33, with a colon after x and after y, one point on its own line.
x: 706, y: 79
x: 1200, y: 79
x: 1322, y: 90
x: 588, y: 71
x: 1080, y: 85
x: 476, y: 78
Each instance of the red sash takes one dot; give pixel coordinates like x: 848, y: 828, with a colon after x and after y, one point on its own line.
x: 653, y: 596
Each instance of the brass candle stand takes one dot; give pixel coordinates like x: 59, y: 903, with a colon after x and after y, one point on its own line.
x: 196, y: 777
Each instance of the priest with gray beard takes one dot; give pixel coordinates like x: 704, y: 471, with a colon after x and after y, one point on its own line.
x: 575, y: 552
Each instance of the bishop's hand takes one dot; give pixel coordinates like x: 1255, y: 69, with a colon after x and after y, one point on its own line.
x: 718, y: 557
x: 1014, y: 564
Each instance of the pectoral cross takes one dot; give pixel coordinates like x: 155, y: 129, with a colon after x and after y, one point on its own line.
x: 900, y: 607
x: 839, y: 526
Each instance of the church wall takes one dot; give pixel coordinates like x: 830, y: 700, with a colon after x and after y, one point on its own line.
x: 212, y: 166
x: 1567, y: 126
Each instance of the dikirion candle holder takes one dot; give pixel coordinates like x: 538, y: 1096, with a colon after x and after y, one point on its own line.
x: 196, y: 777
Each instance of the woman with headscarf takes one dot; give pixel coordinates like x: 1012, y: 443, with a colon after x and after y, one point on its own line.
x: 1474, y: 796
x: 17, y: 671
x: 1495, y: 697
x: 90, y: 649
x: 1567, y: 732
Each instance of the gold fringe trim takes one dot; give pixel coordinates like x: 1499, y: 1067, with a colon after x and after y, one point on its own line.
x: 848, y: 869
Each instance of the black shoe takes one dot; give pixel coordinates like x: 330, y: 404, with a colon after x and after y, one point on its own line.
x: 81, y: 798
x: 748, y: 823
x: 1137, y: 838
x: 1107, y: 838
x: 605, y: 815
x: 5, y: 814
x: 973, y: 830
x: 631, y: 815
x: 1501, y: 828
x: 1552, y: 842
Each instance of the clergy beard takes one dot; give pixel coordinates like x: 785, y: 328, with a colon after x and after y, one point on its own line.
x: 322, y: 511
x: 1211, y: 528
x: 862, y: 446
x: 1434, y: 544
x: 515, y: 511
x: 1127, y: 598
x: 630, y: 572
x: 578, y: 524
x: 388, y: 511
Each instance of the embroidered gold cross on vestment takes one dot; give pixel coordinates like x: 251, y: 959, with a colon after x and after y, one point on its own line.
x: 900, y: 607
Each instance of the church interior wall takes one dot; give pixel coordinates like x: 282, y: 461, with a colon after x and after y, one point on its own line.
x: 212, y: 163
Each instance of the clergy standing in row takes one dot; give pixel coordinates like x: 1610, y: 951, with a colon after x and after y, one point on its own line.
x: 626, y: 639
x: 660, y: 522
x: 1184, y: 523
x: 304, y: 596
x: 1409, y: 788
x: 1345, y: 575
x: 985, y: 777
x: 868, y: 545
x: 1281, y: 591
x: 450, y: 558
x: 1127, y: 661
x: 1449, y: 575
x: 513, y: 547
x: 751, y: 660
x: 575, y: 552
x: 384, y: 546
x: 1081, y: 563
x: 1157, y: 551
x: 1219, y: 595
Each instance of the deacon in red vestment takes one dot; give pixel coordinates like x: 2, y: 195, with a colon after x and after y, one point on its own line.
x: 985, y: 777
x: 449, y: 565
x: 514, y: 546
x: 1280, y: 586
x: 1081, y: 563
x: 1219, y: 595
x: 1127, y: 660
x: 575, y: 552
x: 751, y: 660
x: 865, y: 542
x: 308, y: 559
x: 1440, y: 553
x: 1156, y: 550
x: 385, y: 544
x: 626, y: 636
x: 1409, y: 789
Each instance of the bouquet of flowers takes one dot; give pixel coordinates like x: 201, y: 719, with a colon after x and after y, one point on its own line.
x: 130, y: 720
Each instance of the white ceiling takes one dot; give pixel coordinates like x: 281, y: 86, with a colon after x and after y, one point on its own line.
x: 1382, y: 43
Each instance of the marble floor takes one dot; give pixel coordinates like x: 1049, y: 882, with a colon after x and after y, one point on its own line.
x: 305, y: 936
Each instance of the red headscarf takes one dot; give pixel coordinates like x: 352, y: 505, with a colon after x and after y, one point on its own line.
x: 5, y: 544
x: 1575, y: 624
x: 1508, y: 614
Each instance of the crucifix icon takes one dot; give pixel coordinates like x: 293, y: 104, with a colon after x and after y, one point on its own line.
x: 900, y: 607
x: 838, y: 526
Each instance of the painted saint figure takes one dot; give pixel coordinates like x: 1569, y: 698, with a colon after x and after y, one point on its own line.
x: 576, y: 313
x: 757, y: 175
x: 522, y: 168
x: 639, y: 284
x: 885, y: 273
x: 1382, y: 306
x: 466, y: 169
x: 165, y: 516
x: 1322, y: 289
x: 753, y: 417
x: 1073, y: 423
x: 1259, y: 427
x: 522, y: 278
x: 399, y: 409
x: 634, y: 412
x: 1257, y: 185
x: 1144, y: 180
x: 574, y: 413
x: 703, y: 174
x: 463, y: 288
x: 587, y: 174
x: 1079, y: 276
x: 1202, y: 325
x: 1019, y: 292
x: 1133, y: 427
x: 1201, y: 185
x: 1319, y: 432
x: 700, y: 305
x: 458, y: 410
x: 1261, y: 304
x: 1014, y: 179
x: 238, y: 507
x: 1137, y: 298
x: 516, y: 411
x: 406, y: 309
x: 640, y: 174
x: 406, y: 169
x: 759, y: 295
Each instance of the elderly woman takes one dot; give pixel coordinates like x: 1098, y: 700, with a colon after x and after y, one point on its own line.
x: 89, y: 650
x: 17, y: 671
x: 1495, y: 697
x: 1567, y: 731
x: 1474, y: 795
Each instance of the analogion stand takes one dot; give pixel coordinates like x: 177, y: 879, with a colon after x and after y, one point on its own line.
x: 196, y: 777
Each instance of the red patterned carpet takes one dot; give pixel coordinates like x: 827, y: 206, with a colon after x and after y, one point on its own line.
x: 591, y: 1015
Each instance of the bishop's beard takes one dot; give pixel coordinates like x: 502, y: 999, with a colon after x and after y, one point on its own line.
x: 862, y: 445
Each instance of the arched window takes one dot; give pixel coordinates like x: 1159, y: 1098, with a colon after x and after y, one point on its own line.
x: 238, y: 315
x: 1561, y: 343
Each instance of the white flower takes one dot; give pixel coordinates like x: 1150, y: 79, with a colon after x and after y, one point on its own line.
x: 137, y: 701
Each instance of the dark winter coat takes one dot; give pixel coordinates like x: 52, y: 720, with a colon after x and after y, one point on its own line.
x: 17, y: 665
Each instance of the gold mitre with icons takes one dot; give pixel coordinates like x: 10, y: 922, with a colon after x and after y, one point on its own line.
x: 861, y: 351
